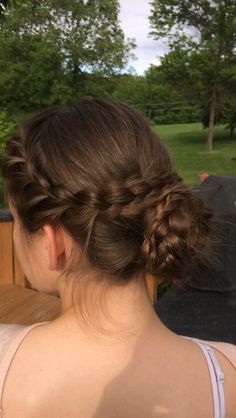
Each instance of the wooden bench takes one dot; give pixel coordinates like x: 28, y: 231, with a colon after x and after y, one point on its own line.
x: 26, y: 306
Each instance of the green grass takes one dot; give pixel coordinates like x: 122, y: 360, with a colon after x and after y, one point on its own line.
x: 187, y: 146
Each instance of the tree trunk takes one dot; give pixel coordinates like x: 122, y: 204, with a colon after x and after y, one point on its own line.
x: 211, y: 122
x: 232, y: 127
x: 149, y: 113
x: 75, y: 72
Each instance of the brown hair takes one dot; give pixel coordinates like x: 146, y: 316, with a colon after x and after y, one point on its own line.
x: 97, y: 169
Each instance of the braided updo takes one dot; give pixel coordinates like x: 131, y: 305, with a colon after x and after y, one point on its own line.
x: 99, y: 170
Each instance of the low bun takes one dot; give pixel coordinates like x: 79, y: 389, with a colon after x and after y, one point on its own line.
x: 98, y: 170
x: 178, y: 228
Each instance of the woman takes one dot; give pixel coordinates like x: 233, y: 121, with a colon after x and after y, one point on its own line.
x: 97, y: 206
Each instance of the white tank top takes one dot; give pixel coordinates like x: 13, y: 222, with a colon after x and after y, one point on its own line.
x: 217, y: 380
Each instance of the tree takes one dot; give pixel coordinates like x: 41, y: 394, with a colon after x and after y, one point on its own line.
x: 133, y: 90
x: 211, y: 27
x: 47, y: 47
x: 2, y: 7
x: 154, y: 95
x: 172, y: 99
x: 4, y: 4
x: 228, y: 114
x: 229, y: 117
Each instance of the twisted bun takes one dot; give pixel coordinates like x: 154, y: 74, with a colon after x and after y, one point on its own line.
x: 99, y: 170
x: 177, y: 230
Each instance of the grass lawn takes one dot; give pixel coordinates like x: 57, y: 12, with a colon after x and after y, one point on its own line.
x: 187, y: 145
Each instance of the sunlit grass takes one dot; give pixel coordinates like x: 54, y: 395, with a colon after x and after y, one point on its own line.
x: 187, y: 145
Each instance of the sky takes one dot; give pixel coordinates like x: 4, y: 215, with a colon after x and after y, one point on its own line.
x: 135, y: 24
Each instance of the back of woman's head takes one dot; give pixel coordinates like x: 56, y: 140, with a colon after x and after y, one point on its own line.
x: 99, y: 171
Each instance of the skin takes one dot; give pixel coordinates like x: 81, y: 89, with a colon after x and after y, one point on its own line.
x: 135, y: 368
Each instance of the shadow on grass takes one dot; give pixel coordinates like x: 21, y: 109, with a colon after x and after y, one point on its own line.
x: 193, y: 133
x: 200, y: 138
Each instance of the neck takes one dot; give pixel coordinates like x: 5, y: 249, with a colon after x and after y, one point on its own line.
x: 115, y: 313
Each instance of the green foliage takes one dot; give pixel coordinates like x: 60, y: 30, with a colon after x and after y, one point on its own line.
x: 6, y: 128
x: 201, y: 60
x: 156, y: 98
x: 4, y: 4
x: 49, y: 49
x: 172, y: 100
x: 134, y: 91
x: 212, y: 21
x: 228, y: 116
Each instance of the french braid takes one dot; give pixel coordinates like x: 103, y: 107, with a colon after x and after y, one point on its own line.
x: 100, y: 171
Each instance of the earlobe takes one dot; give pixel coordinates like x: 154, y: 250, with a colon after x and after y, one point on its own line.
x: 55, y: 246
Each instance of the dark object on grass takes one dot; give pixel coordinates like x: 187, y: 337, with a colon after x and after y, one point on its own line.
x: 199, y: 314
x: 206, y: 306
x: 219, y: 192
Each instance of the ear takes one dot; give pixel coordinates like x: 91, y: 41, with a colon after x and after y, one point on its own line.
x: 55, y: 246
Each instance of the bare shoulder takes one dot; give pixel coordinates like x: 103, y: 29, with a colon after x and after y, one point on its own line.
x: 53, y: 371
x: 226, y: 356
x: 27, y: 365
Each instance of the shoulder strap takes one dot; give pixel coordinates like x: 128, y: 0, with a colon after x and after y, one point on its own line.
x: 9, y: 355
x: 217, y: 380
x: 228, y: 350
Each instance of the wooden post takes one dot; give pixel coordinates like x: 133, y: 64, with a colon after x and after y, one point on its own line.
x: 6, y: 253
x: 10, y: 270
x: 19, y: 277
x: 212, y: 117
x: 151, y: 283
